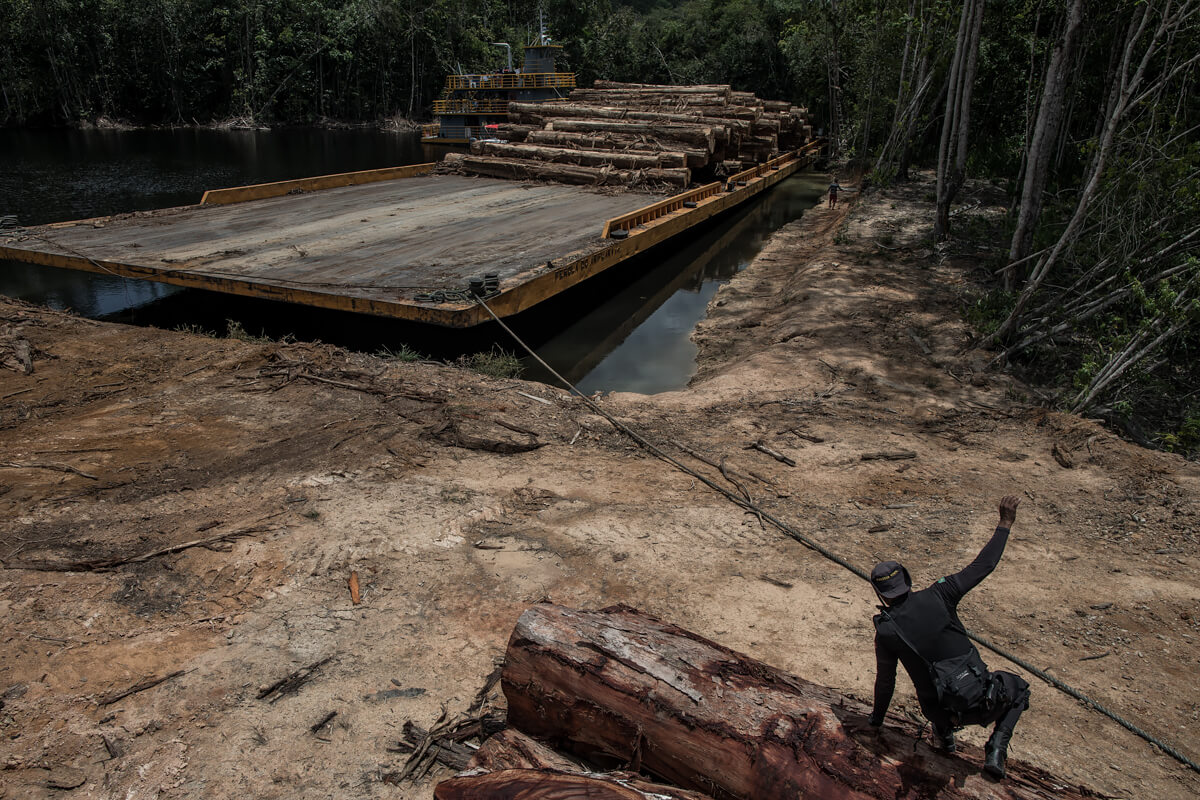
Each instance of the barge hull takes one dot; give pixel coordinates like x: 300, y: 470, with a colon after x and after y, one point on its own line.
x: 385, y: 242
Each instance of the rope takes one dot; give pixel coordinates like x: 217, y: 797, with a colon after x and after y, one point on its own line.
x: 749, y: 505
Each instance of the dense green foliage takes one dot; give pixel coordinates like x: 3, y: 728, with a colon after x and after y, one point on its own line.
x: 1101, y: 300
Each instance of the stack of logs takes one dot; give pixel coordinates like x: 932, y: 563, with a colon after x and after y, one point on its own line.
x: 639, y: 708
x: 637, y: 135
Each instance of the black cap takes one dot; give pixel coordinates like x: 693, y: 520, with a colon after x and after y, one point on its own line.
x: 890, y: 579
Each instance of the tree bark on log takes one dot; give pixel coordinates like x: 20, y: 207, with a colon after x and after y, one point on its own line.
x: 514, y: 133
x: 534, y: 784
x: 695, y: 158
x: 511, y: 749
x: 586, y: 158
x: 694, y: 135
x: 618, y: 686
x: 710, y: 88
x: 707, y: 105
x: 602, y: 96
x: 568, y: 173
x: 539, y: 113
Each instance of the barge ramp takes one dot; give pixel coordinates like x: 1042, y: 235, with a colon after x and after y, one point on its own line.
x: 401, y: 242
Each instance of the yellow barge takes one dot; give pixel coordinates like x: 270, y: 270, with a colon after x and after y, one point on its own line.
x: 401, y: 242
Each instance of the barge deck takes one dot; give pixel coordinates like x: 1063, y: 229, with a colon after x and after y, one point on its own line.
x: 400, y: 243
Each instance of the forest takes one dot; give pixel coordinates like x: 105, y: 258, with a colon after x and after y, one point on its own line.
x: 1083, y: 114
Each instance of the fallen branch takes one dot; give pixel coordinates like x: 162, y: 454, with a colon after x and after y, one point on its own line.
x: 888, y: 455
x: 442, y: 744
x: 47, y: 465
x: 109, y: 563
x: 701, y: 457
x: 762, y: 448
x: 535, y: 397
x: 776, y: 581
x: 325, y: 720
x: 140, y: 686
x: 808, y: 437
x: 515, y: 428
x: 291, y: 683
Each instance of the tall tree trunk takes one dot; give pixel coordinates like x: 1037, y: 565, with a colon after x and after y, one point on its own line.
x: 952, y: 149
x: 1124, y: 94
x: 1041, y: 145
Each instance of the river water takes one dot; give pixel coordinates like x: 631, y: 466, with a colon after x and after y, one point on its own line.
x: 628, y: 331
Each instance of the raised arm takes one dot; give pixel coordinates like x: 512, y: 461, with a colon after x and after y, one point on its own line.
x: 968, y: 578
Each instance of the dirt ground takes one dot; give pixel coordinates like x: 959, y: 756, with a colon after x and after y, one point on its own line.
x: 299, y: 464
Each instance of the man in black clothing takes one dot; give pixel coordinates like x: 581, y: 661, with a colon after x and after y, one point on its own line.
x: 921, y: 628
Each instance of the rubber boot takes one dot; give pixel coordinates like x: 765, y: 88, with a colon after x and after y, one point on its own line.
x: 943, y: 740
x: 996, y: 753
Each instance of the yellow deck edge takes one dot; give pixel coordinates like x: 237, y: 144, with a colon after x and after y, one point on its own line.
x: 261, y: 191
x: 672, y: 220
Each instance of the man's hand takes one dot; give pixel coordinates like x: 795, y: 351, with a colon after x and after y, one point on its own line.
x: 1008, y: 510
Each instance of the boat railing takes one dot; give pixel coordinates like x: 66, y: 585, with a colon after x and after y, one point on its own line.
x: 457, y: 132
x: 470, y: 106
x: 691, y: 197
x: 512, y: 80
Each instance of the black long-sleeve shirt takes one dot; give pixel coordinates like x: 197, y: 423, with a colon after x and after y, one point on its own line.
x: 929, y: 619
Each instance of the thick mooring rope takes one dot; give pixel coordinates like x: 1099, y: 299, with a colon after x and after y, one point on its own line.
x: 834, y: 557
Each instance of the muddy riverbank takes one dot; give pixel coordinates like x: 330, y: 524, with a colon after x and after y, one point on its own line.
x: 458, y: 500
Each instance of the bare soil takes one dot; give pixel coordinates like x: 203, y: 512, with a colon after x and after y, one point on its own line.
x: 300, y: 464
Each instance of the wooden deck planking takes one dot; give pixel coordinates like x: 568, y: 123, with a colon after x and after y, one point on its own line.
x: 427, y: 232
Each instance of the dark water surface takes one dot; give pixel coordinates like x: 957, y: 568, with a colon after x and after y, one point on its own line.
x: 628, y: 331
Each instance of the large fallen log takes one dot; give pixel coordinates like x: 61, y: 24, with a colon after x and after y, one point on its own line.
x: 648, y: 96
x: 661, y: 87
x: 567, y: 173
x: 618, y: 687
x: 538, y: 113
x: 511, y: 749
x: 533, y: 784
x: 695, y: 157
x: 587, y: 158
x: 694, y: 135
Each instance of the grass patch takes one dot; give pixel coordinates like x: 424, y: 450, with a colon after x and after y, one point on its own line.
x: 234, y: 330
x: 402, y: 353
x: 495, y: 363
x: 194, y: 329
x: 987, y: 311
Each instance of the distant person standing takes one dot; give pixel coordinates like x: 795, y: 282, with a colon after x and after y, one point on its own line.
x: 921, y: 630
x: 834, y: 188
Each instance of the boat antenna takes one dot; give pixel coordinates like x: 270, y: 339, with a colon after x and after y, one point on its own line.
x: 542, y: 38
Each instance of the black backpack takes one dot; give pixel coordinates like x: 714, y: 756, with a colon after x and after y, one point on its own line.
x: 964, y: 686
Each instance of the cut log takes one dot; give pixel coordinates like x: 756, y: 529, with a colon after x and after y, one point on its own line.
x: 514, y: 133
x: 603, y: 96
x: 567, y: 173
x: 539, y: 113
x: 587, y: 158
x: 695, y: 158
x: 694, y: 135
x: 533, y: 784
x: 618, y: 687
x: 722, y: 88
x: 511, y: 749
